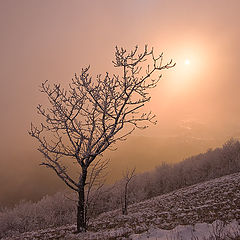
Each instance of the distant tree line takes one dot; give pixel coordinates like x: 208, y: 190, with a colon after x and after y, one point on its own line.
x: 169, y: 177
x: 202, y: 167
x: 59, y: 209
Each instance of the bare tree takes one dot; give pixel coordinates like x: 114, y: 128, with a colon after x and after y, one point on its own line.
x: 231, y: 155
x: 128, y: 175
x: 83, y: 121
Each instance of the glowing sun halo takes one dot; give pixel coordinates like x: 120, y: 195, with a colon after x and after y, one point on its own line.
x: 187, y: 61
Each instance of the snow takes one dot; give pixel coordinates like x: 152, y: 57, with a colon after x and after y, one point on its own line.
x: 200, y: 231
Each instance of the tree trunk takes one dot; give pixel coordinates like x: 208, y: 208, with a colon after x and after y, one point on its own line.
x: 124, y: 210
x: 81, y: 218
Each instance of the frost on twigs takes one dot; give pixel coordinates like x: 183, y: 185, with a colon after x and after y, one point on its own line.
x: 90, y: 116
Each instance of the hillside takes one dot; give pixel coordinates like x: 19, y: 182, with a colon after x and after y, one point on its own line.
x: 218, y: 199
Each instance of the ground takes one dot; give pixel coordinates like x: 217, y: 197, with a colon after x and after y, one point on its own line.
x: 218, y: 199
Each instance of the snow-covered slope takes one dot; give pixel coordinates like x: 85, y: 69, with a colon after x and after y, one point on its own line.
x: 218, y: 199
x: 218, y: 230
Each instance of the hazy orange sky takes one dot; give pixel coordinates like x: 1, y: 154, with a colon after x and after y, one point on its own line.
x: 197, y: 104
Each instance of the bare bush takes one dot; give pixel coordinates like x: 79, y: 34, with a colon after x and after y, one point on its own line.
x: 51, y: 211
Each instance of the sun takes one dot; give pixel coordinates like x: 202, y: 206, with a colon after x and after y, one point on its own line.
x: 187, y: 62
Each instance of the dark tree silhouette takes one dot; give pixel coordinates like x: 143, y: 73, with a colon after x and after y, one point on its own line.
x: 128, y: 175
x: 83, y: 121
